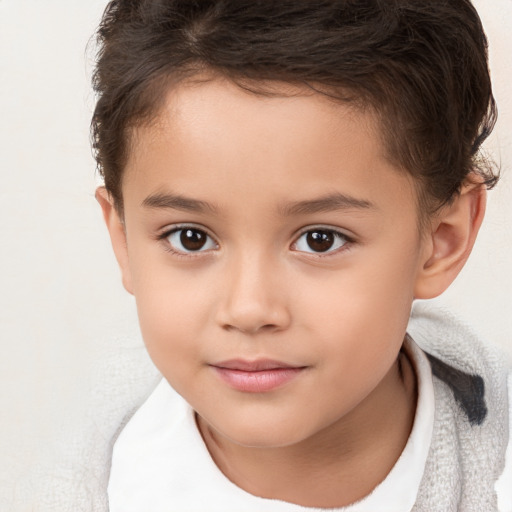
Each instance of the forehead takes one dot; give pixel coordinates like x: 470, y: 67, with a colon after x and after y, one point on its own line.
x: 290, y: 140
x: 204, y: 107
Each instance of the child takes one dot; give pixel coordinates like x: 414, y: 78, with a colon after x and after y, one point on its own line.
x: 282, y: 180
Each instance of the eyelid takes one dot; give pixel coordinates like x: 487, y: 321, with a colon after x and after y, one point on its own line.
x: 171, y: 228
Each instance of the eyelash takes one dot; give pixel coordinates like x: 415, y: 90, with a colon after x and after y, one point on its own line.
x: 338, y: 235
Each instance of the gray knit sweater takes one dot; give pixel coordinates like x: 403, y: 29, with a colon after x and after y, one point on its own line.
x: 470, y: 436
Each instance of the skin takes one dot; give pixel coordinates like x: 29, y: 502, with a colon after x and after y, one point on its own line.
x: 256, y: 172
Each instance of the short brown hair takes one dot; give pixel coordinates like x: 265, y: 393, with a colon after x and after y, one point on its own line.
x: 420, y: 64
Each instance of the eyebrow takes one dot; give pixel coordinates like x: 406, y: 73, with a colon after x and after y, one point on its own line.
x: 322, y: 204
x: 178, y: 202
x: 326, y: 204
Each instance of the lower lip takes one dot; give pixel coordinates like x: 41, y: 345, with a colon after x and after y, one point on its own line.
x: 257, y: 381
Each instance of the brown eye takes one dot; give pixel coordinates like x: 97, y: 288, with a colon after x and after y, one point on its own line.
x: 320, y: 240
x: 190, y: 240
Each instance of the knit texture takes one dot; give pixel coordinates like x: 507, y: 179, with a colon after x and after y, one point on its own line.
x: 470, y: 436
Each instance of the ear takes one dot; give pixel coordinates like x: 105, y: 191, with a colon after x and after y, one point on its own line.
x: 115, y: 226
x: 450, y: 241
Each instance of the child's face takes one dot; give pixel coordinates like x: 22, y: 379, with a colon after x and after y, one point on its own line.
x: 269, y: 230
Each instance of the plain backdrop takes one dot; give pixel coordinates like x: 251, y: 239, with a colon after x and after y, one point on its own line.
x: 61, y: 300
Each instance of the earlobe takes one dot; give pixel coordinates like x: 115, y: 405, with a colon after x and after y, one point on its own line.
x: 450, y: 241
x: 117, y: 233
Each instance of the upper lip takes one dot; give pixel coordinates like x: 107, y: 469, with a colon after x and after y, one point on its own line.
x: 254, y: 366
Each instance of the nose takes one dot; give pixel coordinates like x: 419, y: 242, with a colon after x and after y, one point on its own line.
x: 254, y: 298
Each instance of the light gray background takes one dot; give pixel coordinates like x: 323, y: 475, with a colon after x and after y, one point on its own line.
x: 61, y: 302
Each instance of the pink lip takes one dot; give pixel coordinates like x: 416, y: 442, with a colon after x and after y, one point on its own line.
x: 256, y: 376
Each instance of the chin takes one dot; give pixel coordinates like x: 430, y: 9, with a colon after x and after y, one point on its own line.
x: 263, y: 435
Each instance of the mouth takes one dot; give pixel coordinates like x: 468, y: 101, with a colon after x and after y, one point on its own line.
x: 256, y: 376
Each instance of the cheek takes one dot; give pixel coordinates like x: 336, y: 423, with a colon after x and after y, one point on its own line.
x: 171, y: 311
x: 362, y: 311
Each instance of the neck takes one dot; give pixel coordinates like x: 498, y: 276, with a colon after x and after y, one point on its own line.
x: 340, y: 464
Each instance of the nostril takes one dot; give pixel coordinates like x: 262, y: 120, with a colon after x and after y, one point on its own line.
x: 251, y: 329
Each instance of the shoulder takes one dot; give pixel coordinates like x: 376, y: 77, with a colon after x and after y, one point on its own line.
x: 476, y: 372
x: 472, y: 401
x: 445, y: 338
